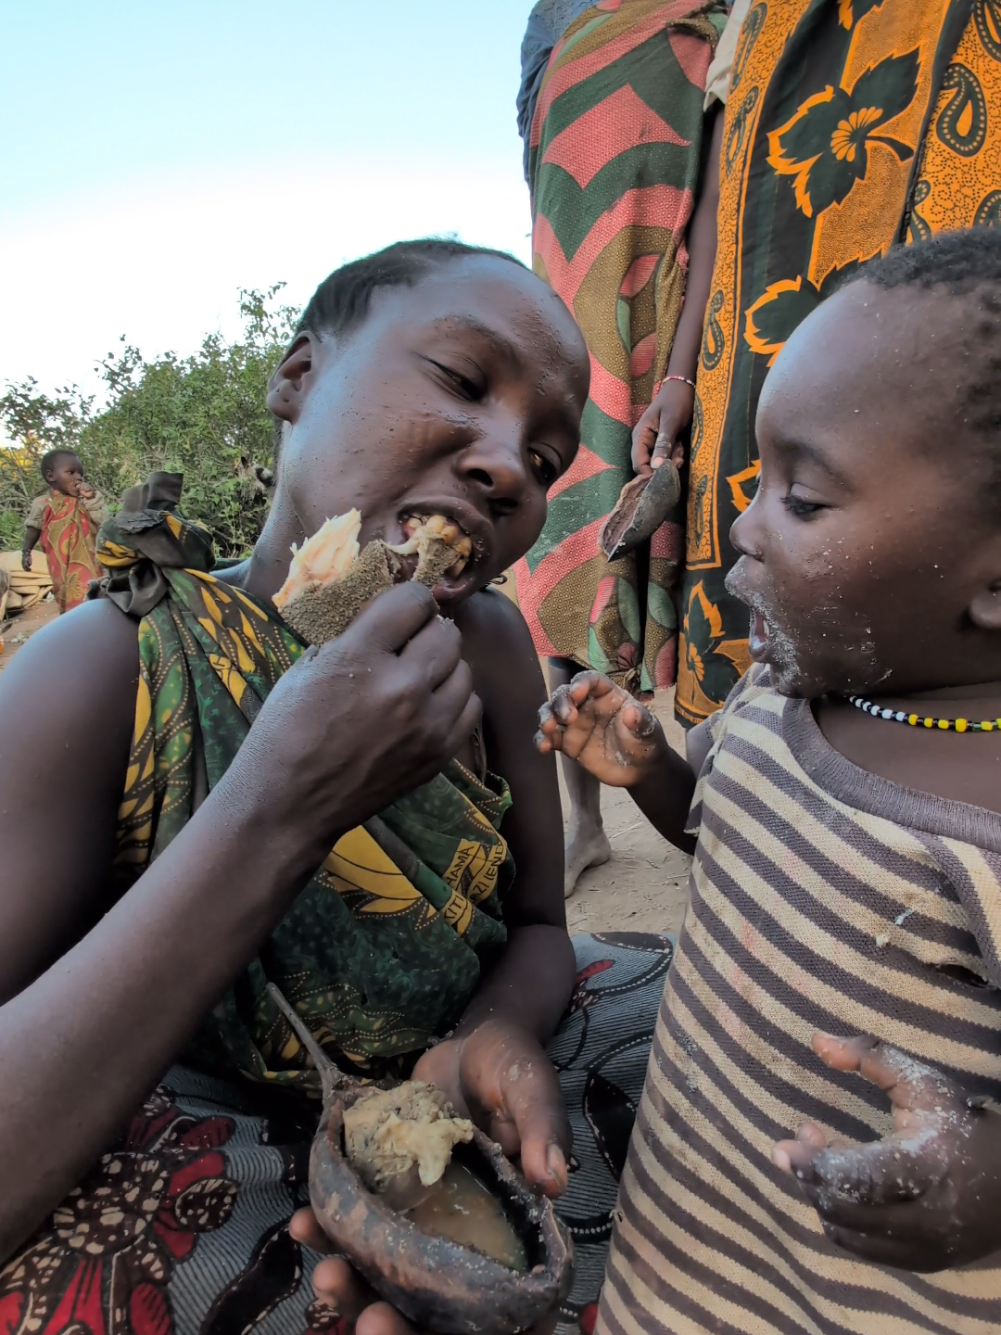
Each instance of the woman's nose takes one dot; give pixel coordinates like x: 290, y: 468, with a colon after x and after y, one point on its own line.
x: 496, y: 465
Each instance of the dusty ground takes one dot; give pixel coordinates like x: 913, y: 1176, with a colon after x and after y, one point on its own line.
x: 20, y: 627
x: 645, y: 886
x: 643, y: 889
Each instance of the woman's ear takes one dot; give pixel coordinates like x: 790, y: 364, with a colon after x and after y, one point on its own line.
x: 287, y: 384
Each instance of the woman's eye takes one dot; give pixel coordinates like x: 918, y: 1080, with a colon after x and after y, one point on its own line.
x: 545, y: 468
x: 801, y: 508
x: 467, y: 388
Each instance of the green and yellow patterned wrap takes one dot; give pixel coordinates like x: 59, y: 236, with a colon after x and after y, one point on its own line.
x: 381, y: 950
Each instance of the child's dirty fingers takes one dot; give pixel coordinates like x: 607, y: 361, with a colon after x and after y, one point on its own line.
x: 639, y: 720
x: 563, y: 706
x: 546, y: 742
x: 872, y: 1248
x: 590, y: 685
x: 850, y: 1184
x: 796, y: 1156
x: 911, y: 1085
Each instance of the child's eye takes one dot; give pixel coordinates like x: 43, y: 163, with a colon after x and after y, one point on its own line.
x: 801, y: 508
x: 545, y: 468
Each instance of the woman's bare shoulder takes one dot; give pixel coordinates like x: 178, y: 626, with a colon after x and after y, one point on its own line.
x: 67, y: 705
x: 77, y: 667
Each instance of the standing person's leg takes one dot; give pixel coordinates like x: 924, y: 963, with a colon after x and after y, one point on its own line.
x: 586, y: 843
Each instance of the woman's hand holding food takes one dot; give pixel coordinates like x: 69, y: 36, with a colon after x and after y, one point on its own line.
x: 603, y: 728
x: 356, y: 724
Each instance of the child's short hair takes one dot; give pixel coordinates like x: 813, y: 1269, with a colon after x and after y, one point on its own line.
x: 51, y: 458
x: 342, y: 300
x: 963, y: 264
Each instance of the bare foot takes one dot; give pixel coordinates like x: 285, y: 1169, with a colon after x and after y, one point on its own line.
x: 586, y: 846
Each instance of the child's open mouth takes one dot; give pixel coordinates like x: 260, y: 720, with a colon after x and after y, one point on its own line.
x: 758, y: 638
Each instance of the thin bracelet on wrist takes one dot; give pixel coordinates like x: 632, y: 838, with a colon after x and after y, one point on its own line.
x: 683, y: 378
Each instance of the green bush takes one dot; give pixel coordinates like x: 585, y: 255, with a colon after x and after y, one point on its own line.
x: 203, y: 416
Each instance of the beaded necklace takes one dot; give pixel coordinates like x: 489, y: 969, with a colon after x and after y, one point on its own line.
x: 925, y: 720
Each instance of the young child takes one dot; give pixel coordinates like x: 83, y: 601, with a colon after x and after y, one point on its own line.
x: 65, y: 519
x: 818, y: 1147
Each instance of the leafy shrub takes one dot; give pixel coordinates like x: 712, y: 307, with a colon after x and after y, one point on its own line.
x: 203, y: 416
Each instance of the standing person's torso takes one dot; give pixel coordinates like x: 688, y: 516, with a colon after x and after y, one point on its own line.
x: 850, y: 125
x: 824, y: 898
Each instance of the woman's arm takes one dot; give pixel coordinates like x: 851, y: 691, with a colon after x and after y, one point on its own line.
x: 655, y: 435
x: 96, y: 1007
x: 521, y: 998
x: 532, y: 983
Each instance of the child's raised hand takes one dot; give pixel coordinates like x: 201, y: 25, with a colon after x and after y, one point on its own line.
x: 603, y: 728
x: 928, y: 1196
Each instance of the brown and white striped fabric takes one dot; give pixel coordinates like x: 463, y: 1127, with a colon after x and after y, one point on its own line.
x: 824, y: 898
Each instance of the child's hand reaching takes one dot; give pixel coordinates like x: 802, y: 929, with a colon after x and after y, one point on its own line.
x: 926, y: 1198
x: 603, y: 728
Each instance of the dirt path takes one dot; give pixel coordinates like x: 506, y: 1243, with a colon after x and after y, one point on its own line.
x: 20, y: 627
x: 644, y: 888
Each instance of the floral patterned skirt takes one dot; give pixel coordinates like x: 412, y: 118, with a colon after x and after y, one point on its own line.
x: 182, y: 1229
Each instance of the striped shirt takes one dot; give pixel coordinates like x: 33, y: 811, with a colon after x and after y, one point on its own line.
x: 823, y: 898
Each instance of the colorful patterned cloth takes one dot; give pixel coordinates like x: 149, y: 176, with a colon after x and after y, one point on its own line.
x: 615, y: 157
x: 381, y: 951
x: 68, y: 525
x: 181, y: 1229
x: 851, y: 124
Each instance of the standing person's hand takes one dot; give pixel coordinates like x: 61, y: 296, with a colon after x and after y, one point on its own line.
x: 925, y: 1198
x: 26, y: 563
x: 603, y: 728
x: 85, y: 490
x: 655, y: 435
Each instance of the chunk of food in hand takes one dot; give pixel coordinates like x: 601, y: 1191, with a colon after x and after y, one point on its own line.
x: 389, y: 1131
x: 332, y: 577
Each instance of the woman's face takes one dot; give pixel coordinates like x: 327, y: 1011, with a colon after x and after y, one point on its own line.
x: 460, y: 396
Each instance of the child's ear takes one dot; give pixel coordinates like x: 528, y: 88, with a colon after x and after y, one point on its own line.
x: 286, y: 386
x: 985, y: 608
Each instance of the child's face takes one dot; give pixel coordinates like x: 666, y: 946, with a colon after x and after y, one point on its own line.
x: 868, y: 543
x: 461, y: 396
x: 67, y: 475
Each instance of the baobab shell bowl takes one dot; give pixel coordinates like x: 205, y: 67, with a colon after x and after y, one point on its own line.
x: 438, y: 1284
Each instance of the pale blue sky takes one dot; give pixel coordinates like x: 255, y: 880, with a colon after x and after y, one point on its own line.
x: 155, y: 157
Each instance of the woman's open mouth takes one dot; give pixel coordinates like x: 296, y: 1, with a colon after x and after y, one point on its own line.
x: 431, y: 534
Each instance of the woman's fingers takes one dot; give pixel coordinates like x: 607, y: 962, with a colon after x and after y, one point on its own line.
x: 338, y: 1285
x: 305, y: 1228
x: 381, y: 1319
